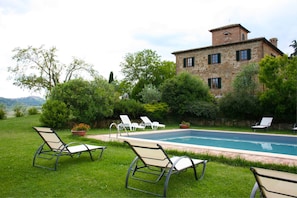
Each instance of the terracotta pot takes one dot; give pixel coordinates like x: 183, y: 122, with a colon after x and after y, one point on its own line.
x: 80, y: 133
x: 184, y: 126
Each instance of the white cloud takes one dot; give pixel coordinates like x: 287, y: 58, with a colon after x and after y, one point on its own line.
x: 103, y: 32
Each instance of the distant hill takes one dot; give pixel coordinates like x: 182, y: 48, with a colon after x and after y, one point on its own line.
x: 26, y: 101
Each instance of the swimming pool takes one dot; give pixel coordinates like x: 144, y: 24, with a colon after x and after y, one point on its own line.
x: 276, y: 144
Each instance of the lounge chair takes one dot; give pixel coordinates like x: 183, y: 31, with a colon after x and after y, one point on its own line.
x: 53, y: 147
x: 273, y: 183
x: 264, y: 124
x: 147, y: 122
x: 126, y: 123
x: 152, y: 161
x: 294, y: 127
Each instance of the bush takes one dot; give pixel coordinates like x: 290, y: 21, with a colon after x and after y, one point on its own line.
x: 129, y: 107
x: 2, y: 111
x: 240, y: 106
x: 184, y: 89
x: 156, y: 111
x: 150, y: 94
x: 55, y: 114
x: 32, y: 111
x: 87, y: 101
x: 19, y: 110
x: 202, y: 109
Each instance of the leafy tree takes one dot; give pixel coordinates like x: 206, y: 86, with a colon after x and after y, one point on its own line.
x: 39, y: 69
x: 183, y: 91
x: 87, y: 101
x: 242, y: 102
x: 294, y: 45
x: 145, y: 67
x: 278, y: 74
x: 246, y: 82
x: 140, y: 65
x: 150, y: 94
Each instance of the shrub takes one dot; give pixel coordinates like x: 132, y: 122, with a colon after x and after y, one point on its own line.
x: 55, y: 114
x: 2, y: 111
x: 150, y: 94
x: 156, y: 111
x: 32, y: 111
x: 19, y: 110
x: 202, y: 109
x: 240, y: 106
x: 184, y: 89
x: 130, y: 107
x: 87, y: 101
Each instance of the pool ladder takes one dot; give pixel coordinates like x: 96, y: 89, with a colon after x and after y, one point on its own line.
x: 118, y: 127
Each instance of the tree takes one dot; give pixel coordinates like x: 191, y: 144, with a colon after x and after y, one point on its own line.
x: 39, y: 69
x: 246, y: 81
x: 242, y: 102
x: 145, y: 67
x: 294, y: 45
x: 87, y: 101
x: 150, y: 94
x: 278, y: 74
x: 110, y: 77
x: 185, y: 94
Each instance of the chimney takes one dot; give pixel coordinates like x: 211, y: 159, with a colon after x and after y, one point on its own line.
x: 273, y: 41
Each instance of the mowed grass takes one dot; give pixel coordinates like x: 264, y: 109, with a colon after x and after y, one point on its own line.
x: 81, y: 177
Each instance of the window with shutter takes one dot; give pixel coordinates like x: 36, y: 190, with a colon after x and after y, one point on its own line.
x: 215, y: 83
x: 189, y: 62
x: 214, y: 58
x: 242, y: 55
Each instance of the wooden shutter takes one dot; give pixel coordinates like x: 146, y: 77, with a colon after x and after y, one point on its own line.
x: 249, y: 54
x: 209, y: 83
x: 237, y: 55
x: 219, y: 83
x: 193, y: 61
x: 219, y: 57
x: 185, y: 62
x: 209, y: 59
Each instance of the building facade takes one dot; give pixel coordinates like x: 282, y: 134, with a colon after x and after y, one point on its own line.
x: 230, y: 51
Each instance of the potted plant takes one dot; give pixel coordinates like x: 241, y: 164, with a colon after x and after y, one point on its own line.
x: 80, y: 129
x: 184, y: 125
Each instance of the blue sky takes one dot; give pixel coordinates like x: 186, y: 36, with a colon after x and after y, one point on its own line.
x: 103, y: 32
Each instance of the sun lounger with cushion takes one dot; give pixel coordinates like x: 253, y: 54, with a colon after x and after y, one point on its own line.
x: 273, y: 183
x: 147, y: 122
x: 53, y: 147
x: 152, y: 160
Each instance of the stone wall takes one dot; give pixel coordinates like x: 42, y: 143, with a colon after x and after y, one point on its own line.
x: 229, y: 66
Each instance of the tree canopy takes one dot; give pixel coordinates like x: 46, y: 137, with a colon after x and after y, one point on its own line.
x: 39, y: 69
x: 242, y: 102
x: 146, y: 65
x: 186, y: 93
x: 294, y: 45
x: 279, y: 75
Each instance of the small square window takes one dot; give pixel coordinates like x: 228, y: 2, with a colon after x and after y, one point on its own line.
x: 243, y: 55
x: 215, y: 83
x: 189, y: 62
x: 214, y: 58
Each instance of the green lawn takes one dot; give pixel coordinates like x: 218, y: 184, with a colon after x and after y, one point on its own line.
x: 81, y: 177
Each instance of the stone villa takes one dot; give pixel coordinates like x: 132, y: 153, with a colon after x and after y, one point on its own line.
x: 219, y: 63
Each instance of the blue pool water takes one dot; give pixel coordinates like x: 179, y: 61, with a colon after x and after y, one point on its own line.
x: 251, y: 142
